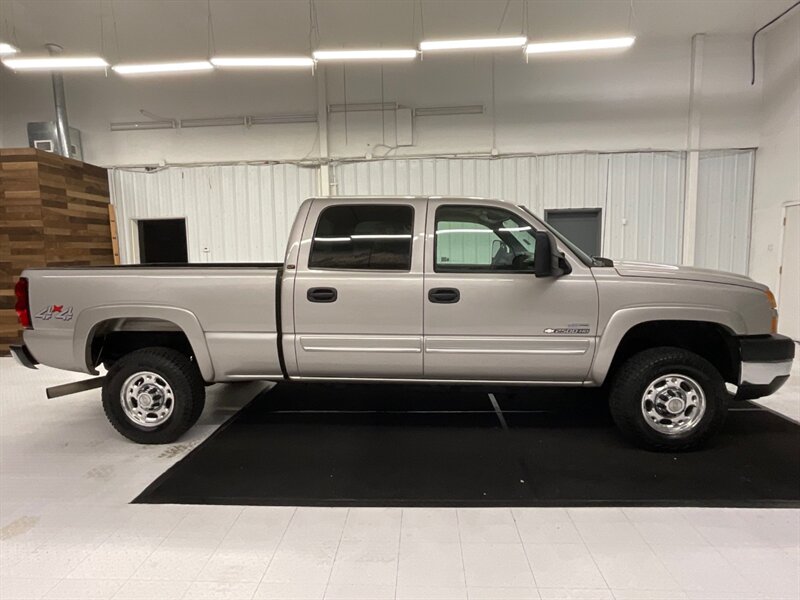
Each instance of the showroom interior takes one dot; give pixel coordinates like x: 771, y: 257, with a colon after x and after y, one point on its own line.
x: 253, y: 346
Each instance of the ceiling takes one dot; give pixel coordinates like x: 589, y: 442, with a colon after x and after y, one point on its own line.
x: 139, y: 30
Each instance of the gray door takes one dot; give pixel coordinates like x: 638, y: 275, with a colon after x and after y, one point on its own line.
x: 487, y: 316
x: 580, y: 226
x: 358, y: 289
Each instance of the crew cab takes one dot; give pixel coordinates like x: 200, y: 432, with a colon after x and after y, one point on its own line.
x: 413, y: 289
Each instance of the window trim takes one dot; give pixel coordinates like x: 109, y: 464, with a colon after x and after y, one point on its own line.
x: 477, y: 269
x: 352, y: 270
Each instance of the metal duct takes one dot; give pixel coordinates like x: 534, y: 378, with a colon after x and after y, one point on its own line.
x: 62, y: 123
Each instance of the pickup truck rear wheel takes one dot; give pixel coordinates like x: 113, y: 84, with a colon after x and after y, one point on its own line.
x: 153, y: 395
x: 668, y: 399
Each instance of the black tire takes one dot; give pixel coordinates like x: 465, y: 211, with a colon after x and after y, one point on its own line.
x: 178, y: 372
x: 635, y: 375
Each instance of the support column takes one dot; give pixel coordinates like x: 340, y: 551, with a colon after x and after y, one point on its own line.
x: 692, y: 151
x: 325, y: 184
x: 60, y: 100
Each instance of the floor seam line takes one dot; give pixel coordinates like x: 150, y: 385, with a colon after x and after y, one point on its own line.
x: 498, y: 412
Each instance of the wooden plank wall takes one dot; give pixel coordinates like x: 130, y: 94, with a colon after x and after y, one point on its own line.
x: 53, y: 212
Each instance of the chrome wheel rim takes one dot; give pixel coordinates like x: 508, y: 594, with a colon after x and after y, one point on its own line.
x: 673, y: 404
x: 147, y: 399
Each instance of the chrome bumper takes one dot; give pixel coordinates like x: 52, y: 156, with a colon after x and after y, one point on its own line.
x: 764, y: 373
x: 766, y: 362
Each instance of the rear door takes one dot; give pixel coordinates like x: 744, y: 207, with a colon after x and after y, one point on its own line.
x: 487, y: 316
x: 358, y: 289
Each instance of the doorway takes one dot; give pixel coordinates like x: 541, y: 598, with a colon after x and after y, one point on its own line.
x: 580, y: 226
x: 162, y: 241
x: 789, y: 283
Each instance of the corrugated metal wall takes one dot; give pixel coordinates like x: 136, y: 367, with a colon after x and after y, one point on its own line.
x: 234, y: 213
x: 640, y: 194
x: 724, y: 203
x: 243, y: 212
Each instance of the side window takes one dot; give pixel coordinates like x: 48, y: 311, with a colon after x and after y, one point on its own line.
x: 482, y: 239
x: 363, y: 236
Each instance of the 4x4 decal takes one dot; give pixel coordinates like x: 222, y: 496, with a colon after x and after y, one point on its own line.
x: 56, y: 311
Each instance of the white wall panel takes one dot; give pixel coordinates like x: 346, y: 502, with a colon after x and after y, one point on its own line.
x: 724, y: 207
x: 244, y: 212
x: 234, y: 213
x: 644, y: 216
x: 640, y: 194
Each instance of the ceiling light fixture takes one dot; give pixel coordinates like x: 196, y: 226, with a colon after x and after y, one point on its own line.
x: 55, y: 63
x: 343, y: 55
x: 152, y: 68
x: 263, y: 61
x: 7, y: 49
x: 473, y: 44
x: 578, y: 45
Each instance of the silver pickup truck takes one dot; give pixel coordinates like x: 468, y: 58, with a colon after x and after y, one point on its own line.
x: 413, y: 289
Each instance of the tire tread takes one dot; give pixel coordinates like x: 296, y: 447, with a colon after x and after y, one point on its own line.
x: 638, y: 371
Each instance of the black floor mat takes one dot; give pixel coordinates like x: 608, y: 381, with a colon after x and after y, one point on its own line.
x: 379, y: 445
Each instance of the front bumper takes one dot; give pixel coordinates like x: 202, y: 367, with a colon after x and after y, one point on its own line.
x: 766, y: 364
x: 23, y: 356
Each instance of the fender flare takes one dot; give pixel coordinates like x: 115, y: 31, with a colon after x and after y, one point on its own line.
x: 88, y: 320
x: 623, y: 320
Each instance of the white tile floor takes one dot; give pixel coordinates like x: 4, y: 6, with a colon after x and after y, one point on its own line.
x: 67, y: 530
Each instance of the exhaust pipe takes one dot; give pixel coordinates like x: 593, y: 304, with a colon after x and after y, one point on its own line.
x: 60, y: 98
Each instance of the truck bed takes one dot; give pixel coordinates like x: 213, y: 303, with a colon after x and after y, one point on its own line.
x: 228, y: 313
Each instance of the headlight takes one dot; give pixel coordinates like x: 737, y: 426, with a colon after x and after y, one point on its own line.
x: 774, y: 305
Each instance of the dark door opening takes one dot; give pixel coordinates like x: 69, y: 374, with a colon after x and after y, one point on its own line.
x: 162, y: 241
x: 580, y: 226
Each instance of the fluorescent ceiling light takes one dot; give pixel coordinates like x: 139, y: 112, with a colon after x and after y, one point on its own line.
x: 178, y: 67
x: 263, y: 61
x: 7, y: 49
x: 365, y: 54
x: 547, y: 47
x: 480, y: 43
x: 55, y: 63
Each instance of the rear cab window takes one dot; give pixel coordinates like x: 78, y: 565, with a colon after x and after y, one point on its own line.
x: 363, y: 236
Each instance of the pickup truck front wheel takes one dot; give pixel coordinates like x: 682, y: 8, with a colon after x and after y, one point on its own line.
x: 668, y: 399
x: 153, y: 395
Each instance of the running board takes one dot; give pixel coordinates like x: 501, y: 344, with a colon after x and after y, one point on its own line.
x: 65, y: 389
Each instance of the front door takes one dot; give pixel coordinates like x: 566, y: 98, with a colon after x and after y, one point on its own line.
x: 487, y: 317
x: 358, y: 290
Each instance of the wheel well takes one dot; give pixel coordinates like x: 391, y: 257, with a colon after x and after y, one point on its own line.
x: 112, y: 339
x: 710, y: 340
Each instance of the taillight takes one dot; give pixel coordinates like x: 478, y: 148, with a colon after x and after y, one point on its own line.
x: 22, y: 306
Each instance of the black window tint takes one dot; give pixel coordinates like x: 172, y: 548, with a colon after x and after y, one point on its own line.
x: 363, y: 237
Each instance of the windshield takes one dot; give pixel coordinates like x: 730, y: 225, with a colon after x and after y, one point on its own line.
x: 589, y: 261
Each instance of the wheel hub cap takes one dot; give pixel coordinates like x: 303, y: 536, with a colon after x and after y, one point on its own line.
x: 147, y: 399
x: 673, y: 404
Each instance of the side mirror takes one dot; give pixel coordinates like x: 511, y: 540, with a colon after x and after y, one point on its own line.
x: 547, y: 260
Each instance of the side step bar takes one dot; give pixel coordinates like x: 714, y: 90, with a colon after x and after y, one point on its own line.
x: 65, y: 389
